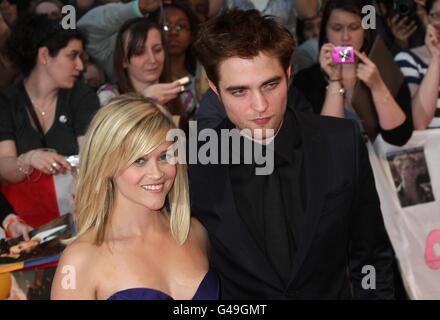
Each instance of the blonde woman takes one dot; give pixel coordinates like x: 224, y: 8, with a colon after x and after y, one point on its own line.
x: 136, y: 239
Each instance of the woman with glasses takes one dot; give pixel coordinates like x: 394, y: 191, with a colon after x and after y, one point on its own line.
x: 180, y: 25
x: 421, y: 68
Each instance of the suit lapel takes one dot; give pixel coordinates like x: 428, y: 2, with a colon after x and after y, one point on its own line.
x: 315, y: 175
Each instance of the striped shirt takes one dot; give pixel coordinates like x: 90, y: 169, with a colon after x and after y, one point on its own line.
x: 414, y: 69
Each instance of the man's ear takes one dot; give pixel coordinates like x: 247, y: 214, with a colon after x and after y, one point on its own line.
x: 43, y: 55
x: 289, y: 72
x: 213, y: 87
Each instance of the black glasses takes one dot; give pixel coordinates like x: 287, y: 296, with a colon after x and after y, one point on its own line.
x: 177, y: 27
x: 435, y: 15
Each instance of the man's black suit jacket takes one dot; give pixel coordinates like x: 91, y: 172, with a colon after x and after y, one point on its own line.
x: 342, y: 236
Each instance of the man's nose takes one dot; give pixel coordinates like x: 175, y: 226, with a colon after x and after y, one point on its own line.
x: 259, y: 102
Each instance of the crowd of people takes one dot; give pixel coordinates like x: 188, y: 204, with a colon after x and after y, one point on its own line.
x: 110, y: 90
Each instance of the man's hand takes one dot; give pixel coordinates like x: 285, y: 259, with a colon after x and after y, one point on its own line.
x: 147, y: 6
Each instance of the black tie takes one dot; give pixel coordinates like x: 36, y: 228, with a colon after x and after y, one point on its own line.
x: 279, y: 243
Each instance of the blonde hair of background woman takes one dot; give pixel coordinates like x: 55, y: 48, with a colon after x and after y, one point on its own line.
x: 126, y: 129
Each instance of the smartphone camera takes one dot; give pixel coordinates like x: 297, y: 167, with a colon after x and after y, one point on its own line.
x: 73, y: 160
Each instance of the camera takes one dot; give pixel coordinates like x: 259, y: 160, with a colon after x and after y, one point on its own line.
x: 73, y: 160
x: 405, y: 8
x: 343, y: 55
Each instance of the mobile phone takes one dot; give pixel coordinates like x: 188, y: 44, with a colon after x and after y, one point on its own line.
x: 184, y: 82
x: 343, y: 55
x: 73, y: 160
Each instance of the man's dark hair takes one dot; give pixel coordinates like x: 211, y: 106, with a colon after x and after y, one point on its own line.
x: 32, y: 32
x: 242, y: 34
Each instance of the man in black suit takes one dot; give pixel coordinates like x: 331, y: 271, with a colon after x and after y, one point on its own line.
x: 311, y: 228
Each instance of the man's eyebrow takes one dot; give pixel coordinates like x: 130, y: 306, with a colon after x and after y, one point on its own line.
x: 277, y: 78
x: 233, y: 88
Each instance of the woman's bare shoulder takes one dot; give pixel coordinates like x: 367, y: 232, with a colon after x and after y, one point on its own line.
x: 81, y: 249
x: 75, y: 275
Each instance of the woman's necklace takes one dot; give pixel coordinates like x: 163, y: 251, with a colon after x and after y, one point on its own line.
x: 43, y: 111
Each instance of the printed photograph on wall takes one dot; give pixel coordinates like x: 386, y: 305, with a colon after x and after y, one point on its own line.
x: 411, y: 176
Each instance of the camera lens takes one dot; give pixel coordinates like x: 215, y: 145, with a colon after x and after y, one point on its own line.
x: 404, y: 9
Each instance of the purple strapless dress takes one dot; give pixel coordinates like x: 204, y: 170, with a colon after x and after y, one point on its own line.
x: 209, y: 289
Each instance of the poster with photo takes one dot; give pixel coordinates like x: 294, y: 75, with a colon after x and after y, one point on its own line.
x: 411, y: 176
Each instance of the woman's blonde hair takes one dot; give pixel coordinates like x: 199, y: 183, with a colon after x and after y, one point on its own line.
x: 126, y: 129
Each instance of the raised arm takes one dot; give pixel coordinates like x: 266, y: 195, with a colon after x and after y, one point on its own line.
x: 307, y: 8
x: 424, y: 102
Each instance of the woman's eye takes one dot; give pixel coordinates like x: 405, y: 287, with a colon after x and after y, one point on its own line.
x: 139, y: 51
x: 139, y: 161
x: 157, y: 50
x: 163, y: 157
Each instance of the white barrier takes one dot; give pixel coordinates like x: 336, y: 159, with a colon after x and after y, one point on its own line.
x: 413, y: 225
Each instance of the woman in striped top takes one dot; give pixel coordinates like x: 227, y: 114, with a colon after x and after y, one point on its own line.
x: 421, y: 68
